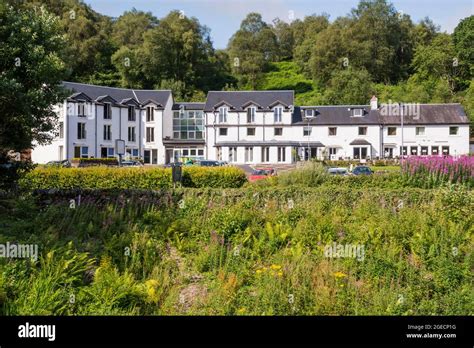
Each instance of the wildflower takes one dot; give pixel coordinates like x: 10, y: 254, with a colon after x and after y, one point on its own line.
x: 258, y: 271
x: 275, y: 267
x: 241, y: 310
x: 280, y: 274
x: 340, y: 275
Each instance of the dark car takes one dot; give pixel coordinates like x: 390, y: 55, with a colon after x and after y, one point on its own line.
x: 132, y: 164
x: 208, y: 163
x: 63, y: 163
x: 362, y: 170
x: 173, y: 164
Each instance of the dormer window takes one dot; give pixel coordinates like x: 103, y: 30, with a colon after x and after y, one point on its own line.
x: 277, y: 112
x: 107, y: 111
x: 150, y: 114
x: 81, y: 109
x: 309, y: 113
x: 223, y: 110
x: 251, y: 114
x: 357, y: 112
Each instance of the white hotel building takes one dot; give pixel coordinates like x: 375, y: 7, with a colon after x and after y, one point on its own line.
x: 246, y: 127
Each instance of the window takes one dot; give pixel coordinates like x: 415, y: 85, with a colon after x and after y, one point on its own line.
x: 150, y: 134
x: 222, y: 131
x: 61, y: 130
x: 219, y: 153
x: 249, y: 154
x: 391, y: 131
x: 414, y: 150
x: 277, y: 112
x: 150, y: 114
x: 309, y: 113
x: 81, y: 109
x: 81, y: 151
x: 445, y: 150
x: 251, y: 115
x: 223, y: 114
x: 132, y: 152
x: 232, y: 154
x: 107, y: 111
x: 265, y: 154
x: 107, y: 132
x: 250, y: 131
x: 81, y: 130
x: 131, y: 113
x: 278, y: 131
x: 453, y: 130
x: 435, y: 150
x: 131, y: 134
x: 403, y: 151
x: 424, y: 150
x: 420, y: 130
x: 388, y: 152
x: 332, y: 151
x: 357, y: 112
x: 190, y: 114
x: 306, y: 131
x: 332, y: 131
x: 110, y: 152
x: 362, y: 130
x: 281, y: 154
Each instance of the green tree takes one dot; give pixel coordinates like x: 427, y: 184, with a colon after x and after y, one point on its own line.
x: 463, y: 40
x: 349, y: 86
x: 251, y: 48
x: 32, y: 68
x: 129, y: 28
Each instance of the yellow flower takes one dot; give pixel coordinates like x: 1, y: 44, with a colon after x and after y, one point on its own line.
x: 280, y: 274
x: 340, y: 275
x: 258, y: 271
x: 275, y: 267
x: 241, y: 310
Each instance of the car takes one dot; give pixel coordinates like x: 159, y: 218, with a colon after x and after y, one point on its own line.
x: 338, y: 171
x: 131, y: 164
x: 222, y: 163
x: 208, y: 163
x: 63, y: 163
x: 362, y: 170
x: 261, y: 173
x: 173, y: 164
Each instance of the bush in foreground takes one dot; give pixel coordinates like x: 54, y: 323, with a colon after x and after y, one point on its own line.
x: 130, y: 178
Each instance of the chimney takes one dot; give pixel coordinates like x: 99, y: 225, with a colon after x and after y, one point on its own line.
x: 373, y: 103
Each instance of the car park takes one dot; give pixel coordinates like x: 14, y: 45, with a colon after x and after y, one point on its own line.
x: 261, y: 173
x: 131, y: 164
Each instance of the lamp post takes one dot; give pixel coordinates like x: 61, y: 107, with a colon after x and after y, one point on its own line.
x: 401, y: 120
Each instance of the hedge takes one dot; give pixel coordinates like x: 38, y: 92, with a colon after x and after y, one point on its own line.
x: 130, y: 178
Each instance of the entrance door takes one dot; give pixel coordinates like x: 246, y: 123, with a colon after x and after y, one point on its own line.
x: 154, y: 156
x: 146, y: 156
x: 168, y: 155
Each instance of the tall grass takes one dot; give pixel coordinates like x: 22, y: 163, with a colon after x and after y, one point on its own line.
x: 245, y: 252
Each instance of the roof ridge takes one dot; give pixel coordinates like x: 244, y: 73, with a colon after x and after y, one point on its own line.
x: 121, y: 88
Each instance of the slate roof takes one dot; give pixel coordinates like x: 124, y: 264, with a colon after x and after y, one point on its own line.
x: 189, y: 106
x: 118, y: 94
x: 431, y: 114
x: 238, y: 100
x: 341, y: 115
x: 270, y: 143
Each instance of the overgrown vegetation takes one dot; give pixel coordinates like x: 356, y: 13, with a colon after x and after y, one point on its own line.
x: 251, y: 251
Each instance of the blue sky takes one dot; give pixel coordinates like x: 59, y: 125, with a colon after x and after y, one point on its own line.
x: 223, y: 17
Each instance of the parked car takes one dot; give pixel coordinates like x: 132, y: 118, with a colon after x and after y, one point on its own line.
x: 63, y: 163
x: 222, y: 163
x: 132, y: 164
x: 362, y: 170
x: 338, y: 171
x: 174, y: 164
x: 207, y: 163
x: 262, y: 173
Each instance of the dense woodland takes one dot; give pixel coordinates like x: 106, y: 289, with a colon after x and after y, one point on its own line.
x: 373, y: 50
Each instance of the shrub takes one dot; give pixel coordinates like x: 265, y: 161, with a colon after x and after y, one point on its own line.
x: 310, y: 174
x: 87, y: 162
x: 130, y: 178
